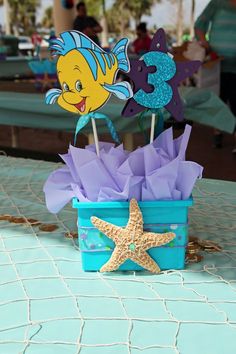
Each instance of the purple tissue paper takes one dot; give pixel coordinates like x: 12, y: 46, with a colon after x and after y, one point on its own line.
x: 157, y: 171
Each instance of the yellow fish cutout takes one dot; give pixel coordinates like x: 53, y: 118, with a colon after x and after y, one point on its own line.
x: 87, y: 73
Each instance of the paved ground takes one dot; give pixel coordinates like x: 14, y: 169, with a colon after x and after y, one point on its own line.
x: 218, y: 163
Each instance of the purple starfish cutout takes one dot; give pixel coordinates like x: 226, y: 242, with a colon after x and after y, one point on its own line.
x: 139, y: 75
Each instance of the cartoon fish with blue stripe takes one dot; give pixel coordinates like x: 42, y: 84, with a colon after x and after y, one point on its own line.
x: 87, y: 73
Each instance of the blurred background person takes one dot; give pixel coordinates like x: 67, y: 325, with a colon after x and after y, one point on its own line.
x: 36, y: 40
x: 218, y: 20
x: 143, y: 41
x: 86, y: 24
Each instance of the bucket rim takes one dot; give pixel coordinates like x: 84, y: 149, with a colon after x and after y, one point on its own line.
x: 143, y: 204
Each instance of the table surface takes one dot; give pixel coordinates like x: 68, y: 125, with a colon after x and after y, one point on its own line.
x: 30, y: 110
x: 15, y: 67
x: 49, y: 305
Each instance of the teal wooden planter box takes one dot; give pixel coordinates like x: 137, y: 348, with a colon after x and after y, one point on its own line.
x: 159, y: 216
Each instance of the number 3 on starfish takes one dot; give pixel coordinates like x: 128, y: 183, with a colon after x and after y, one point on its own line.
x: 132, y: 242
x: 162, y: 92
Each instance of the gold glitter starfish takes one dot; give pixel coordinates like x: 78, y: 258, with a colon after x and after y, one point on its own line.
x: 132, y: 242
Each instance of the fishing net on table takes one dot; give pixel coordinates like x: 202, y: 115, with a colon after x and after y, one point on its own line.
x: 49, y: 305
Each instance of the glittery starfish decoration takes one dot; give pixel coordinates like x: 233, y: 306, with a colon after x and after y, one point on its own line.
x: 139, y: 75
x: 132, y: 242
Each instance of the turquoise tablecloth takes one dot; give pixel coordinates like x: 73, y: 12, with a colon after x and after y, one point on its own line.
x: 30, y: 110
x: 49, y: 305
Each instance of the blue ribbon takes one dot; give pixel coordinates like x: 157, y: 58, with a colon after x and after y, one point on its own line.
x: 83, y: 121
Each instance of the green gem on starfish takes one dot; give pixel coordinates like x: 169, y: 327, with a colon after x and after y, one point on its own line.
x: 132, y: 247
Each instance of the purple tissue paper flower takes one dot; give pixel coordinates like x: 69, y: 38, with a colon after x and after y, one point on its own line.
x: 157, y: 171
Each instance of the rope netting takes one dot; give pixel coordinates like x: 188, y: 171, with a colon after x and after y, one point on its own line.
x: 49, y: 305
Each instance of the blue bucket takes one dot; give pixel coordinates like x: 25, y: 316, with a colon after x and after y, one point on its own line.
x: 159, y: 216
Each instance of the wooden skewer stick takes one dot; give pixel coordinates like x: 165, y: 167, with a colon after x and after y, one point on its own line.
x: 152, y: 127
x: 95, y: 134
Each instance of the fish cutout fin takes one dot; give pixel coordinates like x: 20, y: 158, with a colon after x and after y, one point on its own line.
x: 120, y: 51
x: 92, y: 63
x: 52, y: 96
x: 122, y: 90
x: 70, y: 40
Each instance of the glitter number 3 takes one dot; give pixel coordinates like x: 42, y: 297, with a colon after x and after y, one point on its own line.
x: 165, y: 70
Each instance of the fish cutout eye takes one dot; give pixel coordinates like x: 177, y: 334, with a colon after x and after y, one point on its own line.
x: 65, y: 87
x: 78, y: 85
